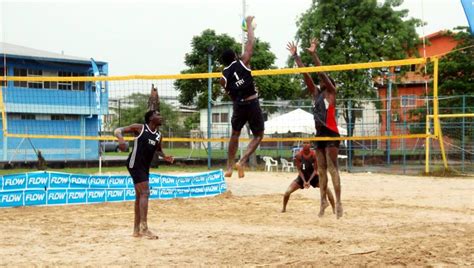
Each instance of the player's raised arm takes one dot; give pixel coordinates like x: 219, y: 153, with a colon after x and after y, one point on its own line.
x: 119, y: 132
x: 322, y: 75
x: 247, y: 55
x: 307, y: 78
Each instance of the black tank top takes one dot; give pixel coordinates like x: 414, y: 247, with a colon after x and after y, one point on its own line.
x: 238, y: 81
x: 320, y: 111
x: 307, y: 165
x: 144, y: 148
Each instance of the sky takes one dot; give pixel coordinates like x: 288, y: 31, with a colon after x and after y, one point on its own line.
x: 152, y: 37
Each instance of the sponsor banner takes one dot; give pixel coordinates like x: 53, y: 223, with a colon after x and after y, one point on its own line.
x: 98, y: 181
x: 197, y: 191
x: 37, y: 180
x: 11, y: 198
x: 213, y: 189
x: 56, y: 197
x: 35, y: 197
x: 215, y: 177
x: 59, y: 180
x: 130, y: 183
x: 95, y: 196
x: 117, y: 181
x: 76, y: 196
x: 167, y: 193
x: 114, y: 195
x: 56, y: 188
x: 183, y: 192
x: 155, y: 180
x: 14, y: 182
x: 79, y: 181
x: 129, y: 194
x: 154, y: 193
x: 168, y: 181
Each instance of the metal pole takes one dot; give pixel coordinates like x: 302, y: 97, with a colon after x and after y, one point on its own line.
x: 463, y: 132
x: 243, y: 33
x: 209, y: 109
x: 389, y: 113
x: 350, y: 134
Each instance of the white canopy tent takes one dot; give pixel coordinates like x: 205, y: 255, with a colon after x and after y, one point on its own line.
x: 296, y: 121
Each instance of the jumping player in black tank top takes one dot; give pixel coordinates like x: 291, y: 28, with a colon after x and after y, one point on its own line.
x: 307, y: 165
x: 147, y: 141
x: 238, y: 82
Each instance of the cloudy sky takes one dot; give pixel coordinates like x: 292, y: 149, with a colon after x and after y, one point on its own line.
x: 152, y: 37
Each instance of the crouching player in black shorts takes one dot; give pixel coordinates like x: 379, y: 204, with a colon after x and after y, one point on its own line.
x: 307, y: 166
x: 147, y: 141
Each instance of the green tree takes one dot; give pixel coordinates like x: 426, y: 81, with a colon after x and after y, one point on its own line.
x: 456, y: 73
x: 194, y: 91
x: 455, y: 81
x: 133, y: 110
x: 357, y: 31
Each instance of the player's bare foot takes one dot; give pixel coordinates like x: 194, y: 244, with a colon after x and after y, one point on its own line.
x: 339, y: 210
x: 228, y: 173
x: 136, y: 234
x: 149, y: 234
x: 323, y: 207
x: 283, y: 210
x: 240, y: 169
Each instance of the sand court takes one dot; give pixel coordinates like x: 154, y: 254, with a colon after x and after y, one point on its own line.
x: 388, y: 220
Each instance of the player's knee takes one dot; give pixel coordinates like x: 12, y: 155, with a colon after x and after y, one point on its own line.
x: 145, y: 193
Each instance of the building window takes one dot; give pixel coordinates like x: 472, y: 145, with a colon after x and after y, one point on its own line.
x: 35, y: 73
x: 215, y: 118
x: 408, y: 101
x: 224, y: 118
x: 2, y: 74
x: 50, y: 84
x: 69, y: 85
x: 20, y: 72
x: 58, y: 117
x: 28, y: 117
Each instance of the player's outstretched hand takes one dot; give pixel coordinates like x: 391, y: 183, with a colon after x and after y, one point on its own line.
x: 292, y: 48
x: 249, y: 20
x: 169, y: 159
x: 122, y: 146
x: 313, y: 45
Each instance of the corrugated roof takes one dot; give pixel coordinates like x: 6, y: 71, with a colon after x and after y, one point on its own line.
x: 16, y: 51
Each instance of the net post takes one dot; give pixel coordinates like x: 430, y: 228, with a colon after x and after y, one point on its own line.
x: 427, y: 145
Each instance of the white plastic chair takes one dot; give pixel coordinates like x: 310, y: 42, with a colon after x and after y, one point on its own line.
x: 270, y: 163
x: 285, y: 165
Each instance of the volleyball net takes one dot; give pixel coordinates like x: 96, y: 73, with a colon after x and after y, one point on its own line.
x: 71, y: 112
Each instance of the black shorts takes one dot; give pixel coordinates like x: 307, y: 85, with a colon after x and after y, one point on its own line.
x: 138, y: 175
x: 326, y: 132
x: 314, y: 182
x: 248, y: 111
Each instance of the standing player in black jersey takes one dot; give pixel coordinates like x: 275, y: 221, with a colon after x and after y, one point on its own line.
x: 307, y: 166
x: 147, y: 141
x: 238, y: 82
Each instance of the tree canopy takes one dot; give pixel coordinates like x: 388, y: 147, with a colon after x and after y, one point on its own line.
x: 194, y: 91
x: 354, y: 32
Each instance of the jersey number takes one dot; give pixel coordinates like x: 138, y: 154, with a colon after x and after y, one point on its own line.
x: 236, y: 76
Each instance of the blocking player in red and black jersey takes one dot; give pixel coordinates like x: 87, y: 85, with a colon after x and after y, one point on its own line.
x: 307, y: 166
x: 324, y: 112
x: 238, y: 83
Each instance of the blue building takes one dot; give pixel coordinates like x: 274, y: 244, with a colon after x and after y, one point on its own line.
x: 50, y: 108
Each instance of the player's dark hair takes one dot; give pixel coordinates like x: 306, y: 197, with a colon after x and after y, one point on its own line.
x: 148, y: 116
x: 228, y: 56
